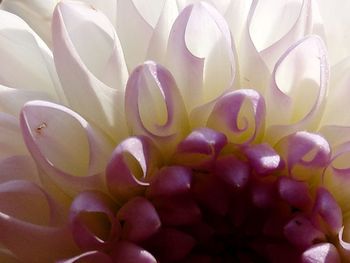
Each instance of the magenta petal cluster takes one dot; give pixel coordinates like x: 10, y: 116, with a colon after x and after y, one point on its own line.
x: 174, y: 131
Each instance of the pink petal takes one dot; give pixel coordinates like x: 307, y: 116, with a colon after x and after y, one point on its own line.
x: 131, y: 164
x: 140, y: 219
x: 93, y: 222
x: 154, y: 106
x: 297, y: 94
x: 64, y: 145
x: 240, y: 115
x: 324, y: 252
x: 99, y: 77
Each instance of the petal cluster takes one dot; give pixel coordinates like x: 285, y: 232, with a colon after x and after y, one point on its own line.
x: 174, y: 131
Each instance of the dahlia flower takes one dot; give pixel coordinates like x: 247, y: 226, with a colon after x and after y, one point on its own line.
x: 174, y: 131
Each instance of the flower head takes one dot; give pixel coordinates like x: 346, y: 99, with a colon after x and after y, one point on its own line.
x: 177, y: 131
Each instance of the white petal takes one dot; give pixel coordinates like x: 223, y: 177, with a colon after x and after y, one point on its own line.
x: 130, y: 21
x: 297, y: 93
x: 336, y: 22
x: 200, y: 54
x: 28, y: 55
x: 36, y: 13
x: 90, y: 64
x: 64, y: 145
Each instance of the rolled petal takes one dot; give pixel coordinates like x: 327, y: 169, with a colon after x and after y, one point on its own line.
x: 200, y: 54
x: 154, y: 106
x: 170, y: 193
x: 232, y: 171
x: 140, y: 219
x: 336, y: 177
x: 24, y: 51
x: 296, y: 97
x: 98, y: 77
x: 64, y: 145
x: 93, y: 222
x: 324, y: 252
x: 301, y: 233
x: 303, y: 150
x: 263, y: 158
x: 130, y: 167
x: 171, y: 245
x: 296, y: 193
x: 172, y: 180
x: 200, y: 148
x: 329, y: 211
x: 240, y: 115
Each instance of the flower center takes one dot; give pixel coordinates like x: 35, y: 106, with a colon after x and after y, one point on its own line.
x: 212, y: 201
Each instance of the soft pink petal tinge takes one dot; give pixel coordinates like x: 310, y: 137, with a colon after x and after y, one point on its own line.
x: 174, y: 131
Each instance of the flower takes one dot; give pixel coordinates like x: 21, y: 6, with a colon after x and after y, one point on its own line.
x: 177, y: 131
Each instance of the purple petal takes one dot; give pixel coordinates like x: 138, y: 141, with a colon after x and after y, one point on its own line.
x: 263, y: 158
x: 240, y: 115
x: 295, y: 193
x: 171, y: 180
x: 328, y: 209
x: 93, y: 222
x: 235, y: 173
x: 171, y: 245
x: 131, y: 164
x: 303, y: 150
x: 140, y: 219
x: 200, y: 148
x: 301, y: 233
